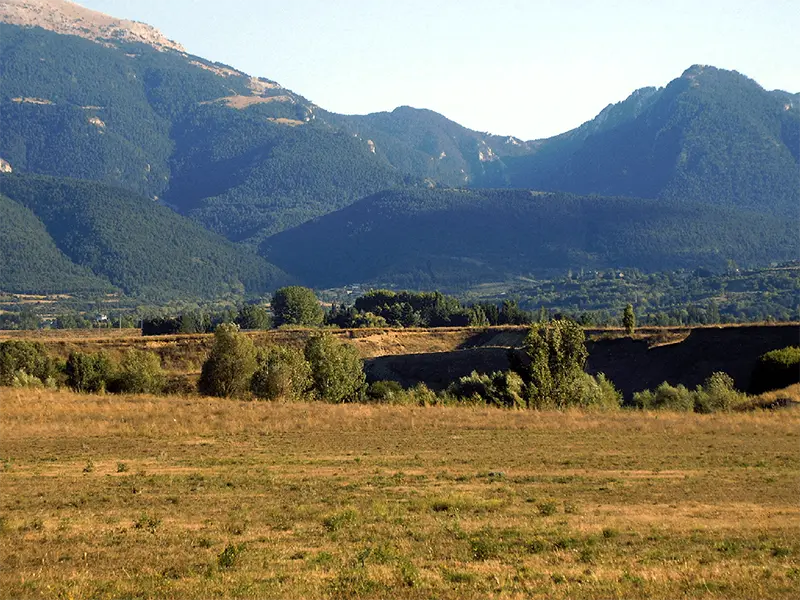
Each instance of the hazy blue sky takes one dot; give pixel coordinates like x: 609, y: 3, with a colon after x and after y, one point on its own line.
x: 516, y: 67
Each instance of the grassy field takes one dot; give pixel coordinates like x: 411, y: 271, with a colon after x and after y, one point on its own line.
x: 151, y: 497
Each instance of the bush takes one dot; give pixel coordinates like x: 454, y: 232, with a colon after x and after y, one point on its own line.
x: 715, y: 395
x: 385, y: 392
x: 89, y: 372
x: 282, y: 372
x: 23, y: 380
x: 31, y: 358
x: 501, y: 388
x: 422, y: 395
x: 336, y: 369
x: 140, y: 372
x: 230, y: 365
x: 775, y: 370
x: 596, y: 392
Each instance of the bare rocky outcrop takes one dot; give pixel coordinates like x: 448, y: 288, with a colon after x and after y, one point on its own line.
x: 68, y: 18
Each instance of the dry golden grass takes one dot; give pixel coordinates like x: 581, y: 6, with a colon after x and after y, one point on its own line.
x: 152, y: 497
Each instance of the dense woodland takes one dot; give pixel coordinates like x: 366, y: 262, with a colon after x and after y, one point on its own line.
x: 431, y: 238
x: 115, y: 237
x: 699, y: 174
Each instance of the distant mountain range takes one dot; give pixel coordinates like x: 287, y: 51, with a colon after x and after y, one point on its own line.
x: 699, y: 172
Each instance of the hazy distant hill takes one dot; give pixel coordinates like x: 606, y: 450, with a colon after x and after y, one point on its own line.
x: 429, y: 237
x: 64, y: 234
x: 711, y: 136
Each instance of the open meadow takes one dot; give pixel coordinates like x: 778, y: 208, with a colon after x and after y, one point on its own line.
x: 171, y: 497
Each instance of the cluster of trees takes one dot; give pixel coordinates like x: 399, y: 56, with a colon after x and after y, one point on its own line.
x: 326, y: 369
x: 28, y: 364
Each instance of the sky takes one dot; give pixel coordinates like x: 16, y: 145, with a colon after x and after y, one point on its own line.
x: 528, y: 68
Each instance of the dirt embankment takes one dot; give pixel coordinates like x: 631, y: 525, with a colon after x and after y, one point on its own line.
x: 632, y: 364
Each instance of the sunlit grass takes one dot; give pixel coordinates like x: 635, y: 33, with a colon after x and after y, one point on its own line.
x: 143, y: 496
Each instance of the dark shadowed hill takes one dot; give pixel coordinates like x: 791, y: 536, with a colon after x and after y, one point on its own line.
x: 430, y: 237
x: 83, y: 228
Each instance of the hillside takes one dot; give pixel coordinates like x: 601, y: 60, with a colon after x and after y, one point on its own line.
x: 80, y: 228
x: 241, y: 155
x: 72, y: 19
x: 30, y: 261
x: 711, y: 136
x: 86, y: 96
x: 441, y: 237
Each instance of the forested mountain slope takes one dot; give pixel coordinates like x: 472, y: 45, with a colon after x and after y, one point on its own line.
x: 711, y: 136
x: 30, y: 262
x: 138, y: 245
x: 240, y: 155
x: 114, y: 102
x: 430, y: 237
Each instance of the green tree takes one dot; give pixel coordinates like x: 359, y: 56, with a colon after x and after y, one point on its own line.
x: 296, y: 305
x: 90, y: 372
x: 282, y: 372
x: 140, y: 372
x: 253, y: 316
x: 230, y: 365
x: 557, y: 353
x: 336, y: 369
x: 28, y: 357
x: 629, y: 319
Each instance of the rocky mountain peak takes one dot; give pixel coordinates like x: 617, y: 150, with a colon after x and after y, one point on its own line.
x: 69, y: 18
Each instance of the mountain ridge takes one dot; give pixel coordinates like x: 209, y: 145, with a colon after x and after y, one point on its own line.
x: 69, y: 18
x: 249, y: 160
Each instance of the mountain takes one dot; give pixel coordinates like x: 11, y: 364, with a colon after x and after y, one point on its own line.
x: 711, y: 136
x: 114, y: 103
x: 30, y: 261
x: 426, y: 238
x: 68, y: 235
x: 241, y: 155
x: 68, y: 18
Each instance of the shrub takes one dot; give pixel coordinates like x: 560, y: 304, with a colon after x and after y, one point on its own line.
x: 422, y: 395
x: 336, y: 369
x: 23, y: 380
x: 677, y: 398
x: 501, y: 388
x: 29, y: 357
x: 775, y: 370
x: 717, y: 394
x: 89, y: 372
x: 595, y: 392
x: 140, y: 372
x: 282, y: 372
x: 385, y: 392
x: 230, y: 365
